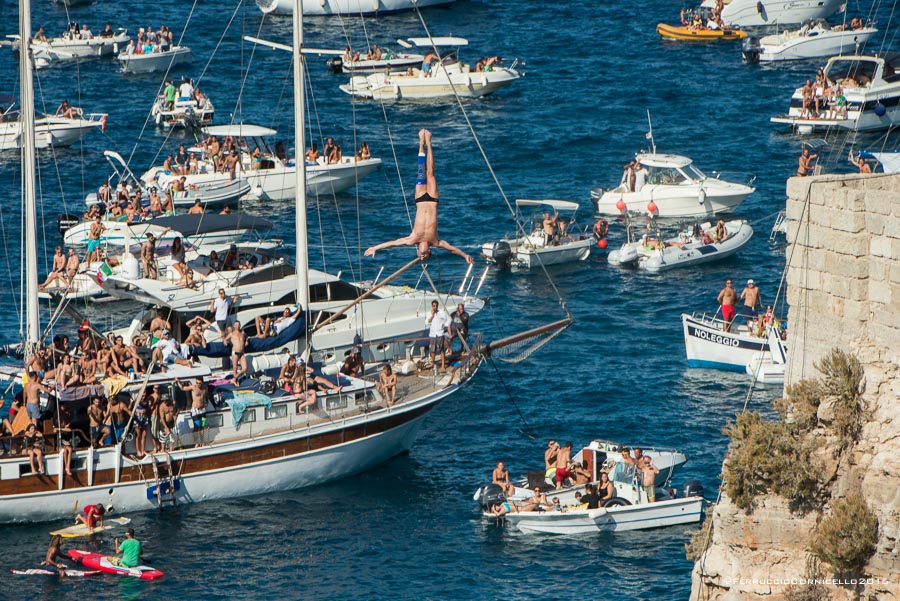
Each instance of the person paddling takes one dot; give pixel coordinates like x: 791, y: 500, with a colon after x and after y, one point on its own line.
x: 130, y: 548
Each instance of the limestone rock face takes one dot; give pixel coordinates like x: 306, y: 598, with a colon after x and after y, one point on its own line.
x: 843, y: 290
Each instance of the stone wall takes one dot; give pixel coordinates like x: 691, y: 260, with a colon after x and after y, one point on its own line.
x: 843, y: 290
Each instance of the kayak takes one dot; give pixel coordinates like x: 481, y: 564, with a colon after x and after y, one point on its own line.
x: 43, y: 572
x: 102, y: 563
x: 82, y: 529
x: 681, y: 32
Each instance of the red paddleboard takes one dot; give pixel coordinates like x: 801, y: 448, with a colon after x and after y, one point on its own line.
x: 102, y: 563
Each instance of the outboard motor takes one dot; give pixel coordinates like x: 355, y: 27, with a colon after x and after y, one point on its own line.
x: 693, y: 488
x: 336, y: 64
x: 596, y: 194
x: 66, y: 221
x: 750, y: 50
x: 489, y: 495
x: 502, y: 254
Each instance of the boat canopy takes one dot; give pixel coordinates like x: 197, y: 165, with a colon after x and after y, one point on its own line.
x: 192, y: 225
x: 558, y: 205
x: 663, y: 160
x: 239, y: 130
x: 429, y: 42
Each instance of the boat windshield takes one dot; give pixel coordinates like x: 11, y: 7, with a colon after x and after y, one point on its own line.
x: 666, y: 176
x: 622, y: 472
x: 852, y: 73
x: 694, y: 173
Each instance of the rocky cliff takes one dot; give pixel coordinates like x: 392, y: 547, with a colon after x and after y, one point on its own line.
x: 843, y: 289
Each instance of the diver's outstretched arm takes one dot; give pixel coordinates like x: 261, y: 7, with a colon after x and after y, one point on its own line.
x: 447, y: 246
x: 404, y: 241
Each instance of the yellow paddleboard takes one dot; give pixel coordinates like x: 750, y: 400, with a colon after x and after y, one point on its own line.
x: 681, y: 32
x: 82, y: 530
x: 20, y: 421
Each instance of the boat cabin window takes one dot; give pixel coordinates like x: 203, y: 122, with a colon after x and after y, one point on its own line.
x: 214, y: 420
x: 693, y: 172
x: 276, y: 411
x: 337, y: 290
x: 266, y: 163
x: 665, y: 176
x: 249, y: 416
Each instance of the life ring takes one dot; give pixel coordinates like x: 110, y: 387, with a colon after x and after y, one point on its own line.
x: 601, y: 228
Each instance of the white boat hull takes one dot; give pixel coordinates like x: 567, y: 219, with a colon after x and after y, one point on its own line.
x: 158, y: 61
x: 716, y: 197
x: 787, y: 47
x: 345, y: 7
x: 531, y: 252
x: 709, y: 346
x: 96, y: 47
x: 764, y: 370
x: 616, y: 519
x: 441, y: 84
x: 115, y: 235
x: 751, y: 13
x: 692, y: 253
x: 51, y: 131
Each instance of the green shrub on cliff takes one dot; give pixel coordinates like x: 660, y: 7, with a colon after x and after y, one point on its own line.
x: 846, y: 538
x: 801, y: 404
x: 766, y: 456
x: 843, y: 386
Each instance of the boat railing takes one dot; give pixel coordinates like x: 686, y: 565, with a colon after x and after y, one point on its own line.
x: 712, y: 320
x: 740, y: 177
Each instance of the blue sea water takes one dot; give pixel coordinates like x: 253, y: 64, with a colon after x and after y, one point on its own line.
x: 408, y: 529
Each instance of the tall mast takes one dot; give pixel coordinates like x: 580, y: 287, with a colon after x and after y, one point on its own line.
x: 302, y: 261
x: 26, y: 131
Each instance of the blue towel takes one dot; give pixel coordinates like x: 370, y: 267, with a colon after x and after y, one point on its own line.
x: 239, y: 403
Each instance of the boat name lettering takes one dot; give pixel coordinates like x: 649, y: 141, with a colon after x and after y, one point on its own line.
x: 716, y: 338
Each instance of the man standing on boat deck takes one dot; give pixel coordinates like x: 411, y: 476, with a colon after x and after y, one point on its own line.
x: 437, y: 322
x: 32, y: 394
x: 169, y: 93
x: 728, y: 299
x: 751, y: 297
x: 148, y: 257
x: 424, y: 233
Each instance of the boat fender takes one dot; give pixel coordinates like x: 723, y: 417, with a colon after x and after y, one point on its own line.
x: 621, y: 206
x: 701, y: 196
x: 484, y: 81
x: 759, y: 7
x: 652, y: 208
x: 66, y: 221
x: 601, y: 228
x: 596, y: 513
x: 602, y: 243
x: 879, y: 109
x: 616, y: 502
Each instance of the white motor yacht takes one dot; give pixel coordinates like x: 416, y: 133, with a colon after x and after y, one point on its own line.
x: 869, y: 97
x: 190, y: 113
x: 756, y: 13
x: 711, y: 343
x: 158, y: 60
x: 672, y: 187
x: 530, y: 247
x: 50, y: 130
x: 691, y: 247
x: 446, y: 78
x: 346, y: 7
x: 388, y: 60
x: 814, y: 39
x: 271, y: 175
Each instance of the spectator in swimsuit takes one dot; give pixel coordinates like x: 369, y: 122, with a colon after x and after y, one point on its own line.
x: 424, y: 233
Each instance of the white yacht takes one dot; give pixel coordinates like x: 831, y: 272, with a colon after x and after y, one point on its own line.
x: 50, y: 130
x: 871, y: 89
x: 756, y: 13
x: 271, y: 175
x: 445, y: 78
x: 346, y: 7
x: 530, y: 247
x: 814, y: 39
x: 190, y: 113
x: 154, y: 61
x: 673, y: 187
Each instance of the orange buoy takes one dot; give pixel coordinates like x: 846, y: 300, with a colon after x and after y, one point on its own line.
x: 621, y: 205
x: 602, y: 243
x: 651, y: 207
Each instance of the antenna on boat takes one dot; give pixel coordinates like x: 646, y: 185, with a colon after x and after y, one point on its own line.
x: 649, y: 134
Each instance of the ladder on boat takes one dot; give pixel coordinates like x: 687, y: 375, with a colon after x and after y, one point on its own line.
x: 780, y: 225
x: 167, y: 485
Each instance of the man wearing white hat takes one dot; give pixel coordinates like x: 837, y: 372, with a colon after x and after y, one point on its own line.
x: 751, y: 297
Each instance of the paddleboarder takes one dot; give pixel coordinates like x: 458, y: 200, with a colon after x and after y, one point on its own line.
x: 130, y: 550
x: 92, y: 514
x: 54, y: 554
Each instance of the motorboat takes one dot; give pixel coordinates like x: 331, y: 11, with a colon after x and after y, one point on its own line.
x: 197, y: 229
x: 72, y: 44
x: 688, y: 33
x: 346, y: 7
x: 692, y: 246
x: 530, y: 247
x: 389, y: 61
x: 628, y: 509
x: 158, y: 60
x: 447, y: 77
x: 50, y: 130
x: 271, y: 175
x: 814, y: 39
x: 710, y: 342
x: 757, y: 13
x: 767, y: 367
x: 869, y: 97
x: 185, y: 114
x: 213, y: 194
x: 672, y: 187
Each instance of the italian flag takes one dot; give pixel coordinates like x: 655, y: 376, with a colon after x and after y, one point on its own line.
x: 103, y: 272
